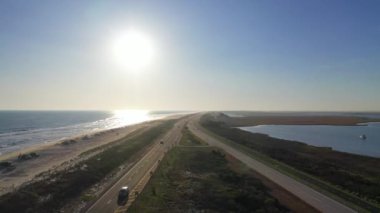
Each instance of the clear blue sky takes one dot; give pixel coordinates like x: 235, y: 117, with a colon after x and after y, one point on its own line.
x: 211, y: 55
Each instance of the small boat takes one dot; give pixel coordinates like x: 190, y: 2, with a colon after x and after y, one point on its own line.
x: 363, y: 137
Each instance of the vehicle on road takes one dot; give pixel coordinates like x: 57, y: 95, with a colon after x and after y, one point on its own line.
x: 162, y: 142
x: 122, y: 198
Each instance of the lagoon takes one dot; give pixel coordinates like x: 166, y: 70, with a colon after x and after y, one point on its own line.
x: 340, y: 138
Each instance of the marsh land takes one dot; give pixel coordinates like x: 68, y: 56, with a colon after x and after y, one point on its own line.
x: 354, y: 177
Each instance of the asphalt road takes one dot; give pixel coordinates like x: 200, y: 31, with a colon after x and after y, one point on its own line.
x: 108, y: 201
x: 307, y: 194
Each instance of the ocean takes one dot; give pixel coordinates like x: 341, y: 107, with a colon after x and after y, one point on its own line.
x: 21, y: 129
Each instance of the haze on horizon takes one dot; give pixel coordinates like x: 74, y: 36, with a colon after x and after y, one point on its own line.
x: 206, y: 55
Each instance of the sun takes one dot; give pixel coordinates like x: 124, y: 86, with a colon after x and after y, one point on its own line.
x: 133, y: 50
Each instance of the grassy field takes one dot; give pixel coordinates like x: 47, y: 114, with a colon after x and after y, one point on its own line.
x: 188, y: 139
x: 201, y: 179
x: 351, y: 177
x: 50, y: 194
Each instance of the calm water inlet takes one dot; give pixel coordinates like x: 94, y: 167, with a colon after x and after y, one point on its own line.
x: 340, y: 138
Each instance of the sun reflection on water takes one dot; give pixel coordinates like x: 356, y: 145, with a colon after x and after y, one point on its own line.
x: 126, y: 117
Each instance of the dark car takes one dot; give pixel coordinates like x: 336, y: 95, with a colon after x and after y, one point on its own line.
x: 162, y: 142
x: 122, y: 199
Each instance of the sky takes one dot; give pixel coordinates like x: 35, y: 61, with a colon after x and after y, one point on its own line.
x: 287, y: 55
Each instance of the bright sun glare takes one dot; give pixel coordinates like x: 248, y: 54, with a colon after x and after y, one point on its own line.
x: 126, y: 117
x: 133, y: 50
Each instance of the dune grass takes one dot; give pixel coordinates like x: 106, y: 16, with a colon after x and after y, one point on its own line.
x: 192, y: 179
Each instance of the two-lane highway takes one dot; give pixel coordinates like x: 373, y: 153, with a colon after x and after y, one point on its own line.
x: 107, y: 203
x: 307, y: 194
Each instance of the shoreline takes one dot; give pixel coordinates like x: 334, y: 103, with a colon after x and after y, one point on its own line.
x: 75, y: 136
x: 46, y: 145
x: 55, y: 154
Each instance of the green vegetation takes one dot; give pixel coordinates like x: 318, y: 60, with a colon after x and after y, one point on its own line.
x: 199, y: 179
x: 24, y: 157
x: 189, y: 139
x: 6, y: 166
x: 52, y: 193
x: 352, y: 177
x: 68, y: 142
